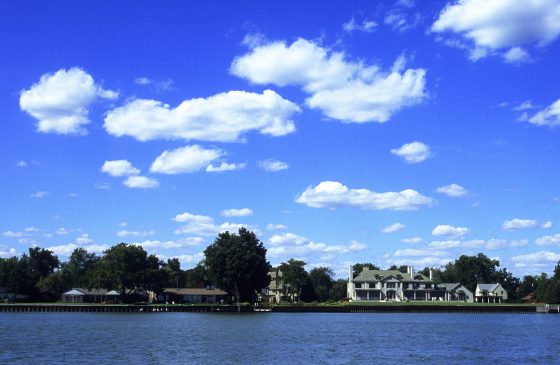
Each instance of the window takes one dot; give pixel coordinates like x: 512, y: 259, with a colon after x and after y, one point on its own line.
x: 405, y: 285
x: 428, y: 286
x: 358, y: 285
x: 391, y: 285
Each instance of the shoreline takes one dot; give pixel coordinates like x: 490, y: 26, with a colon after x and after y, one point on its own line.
x: 351, y: 308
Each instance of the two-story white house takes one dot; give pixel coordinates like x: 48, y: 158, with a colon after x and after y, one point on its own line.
x: 390, y: 285
x: 490, y: 293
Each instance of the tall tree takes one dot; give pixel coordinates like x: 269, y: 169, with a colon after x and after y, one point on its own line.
x: 339, y: 289
x: 294, y: 277
x: 358, y: 268
x: 321, y: 279
x: 76, y: 268
x: 237, y: 264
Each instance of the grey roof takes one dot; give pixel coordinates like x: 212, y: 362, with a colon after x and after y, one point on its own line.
x: 73, y: 292
x: 453, y: 287
x: 113, y: 292
x: 194, y: 291
x: 380, y: 275
x: 488, y: 287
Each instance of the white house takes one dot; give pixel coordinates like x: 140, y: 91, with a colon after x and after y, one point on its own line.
x: 490, y: 293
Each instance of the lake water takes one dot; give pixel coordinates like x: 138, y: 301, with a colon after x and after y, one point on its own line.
x: 279, y: 338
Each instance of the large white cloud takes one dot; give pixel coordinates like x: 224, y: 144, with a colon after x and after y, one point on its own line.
x: 184, y: 159
x: 224, y: 117
x: 493, y: 25
x: 447, y: 230
x: 60, y: 101
x: 413, y: 152
x: 243, y: 212
x: 332, y: 194
x: 141, y: 182
x: 286, y: 244
x: 346, y: 90
x: 551, y: 240
x: 119, y: 168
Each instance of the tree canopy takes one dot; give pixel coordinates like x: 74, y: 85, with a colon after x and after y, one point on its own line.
x: 237, y: 264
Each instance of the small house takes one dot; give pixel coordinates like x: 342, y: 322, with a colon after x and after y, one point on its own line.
x: 490, y: 293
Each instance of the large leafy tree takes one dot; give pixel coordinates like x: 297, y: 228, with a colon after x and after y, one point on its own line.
x: 77, y: 267
x: 294, y: 277
x: 237, y: 264
x: 321, y: 279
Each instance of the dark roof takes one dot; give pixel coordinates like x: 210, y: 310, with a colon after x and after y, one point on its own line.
x: 194, y: 291
x: 379, y: 275
x: 95, y: 291
x: 488, y: 287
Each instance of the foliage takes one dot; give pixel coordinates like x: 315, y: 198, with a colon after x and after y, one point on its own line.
x: 321, y: 279
x: 294, y: 277
x: 358, y: 268
x: 237, y: 264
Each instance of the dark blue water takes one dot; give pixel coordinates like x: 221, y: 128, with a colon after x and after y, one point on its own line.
x: 278, y: 338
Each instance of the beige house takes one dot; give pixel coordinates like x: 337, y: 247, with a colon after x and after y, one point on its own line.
x: 490, y: 293
x: 194, y: 295
x: 275, y: 293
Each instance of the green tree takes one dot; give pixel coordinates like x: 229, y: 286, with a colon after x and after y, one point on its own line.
x: 471, y: 270
x: 237, y: 264
x: 321, y: 279
x: 339, y: 290
x: 294, y: 277
x: 196, y: 277
x: 358, y: 268
x: 76, y: 268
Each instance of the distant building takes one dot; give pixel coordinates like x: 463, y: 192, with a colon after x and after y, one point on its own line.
x: 390, y: 285
x: 276, y: 293
x: 207, y: 295
x: 456, y: 292
x: 490, y: 293
x: 81, y: 295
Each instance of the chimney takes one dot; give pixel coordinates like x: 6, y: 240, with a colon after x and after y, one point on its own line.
x: 412, y: 272
x: 350, y: 273
x: 431, y: 274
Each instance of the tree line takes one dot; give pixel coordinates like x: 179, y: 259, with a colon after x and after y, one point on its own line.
x: 235, y: 263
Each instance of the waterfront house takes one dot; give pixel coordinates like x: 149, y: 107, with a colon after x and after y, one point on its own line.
x: 490, y: 293
x: 391, y: 285
x: 455, y: 292
x: 207, y: 295
x: 276, y: 293
x: 81, y: 295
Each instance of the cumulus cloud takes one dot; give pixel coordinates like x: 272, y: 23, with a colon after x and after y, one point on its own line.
x: 517, y: 223
x: 546, y: 225
x: 127, y: 233
x: 192, y: 218
x: 393, y: 228
x: 7, y: 252
x: 274, y: 227
x: 224, y: 166
x: 551, y: 240
x: 452, y: 190
x: 447, y: 230
x: 548, y: 117
x: 332, y: 194
x: 180, y: 243
x: 141, y: 182
x: 273, y: 165
x: 365, y: 25
x: 491, y: 244
x: 412, y: 240
x: 292, y: 244
x: 66, y: 250
x: 497, y: 25
x: 342, y: 89
x: 224, y: 117
x: 516, y: 55
x: 413, y: 152
x: 21, y: 163
x: 184, y: 159
x: 61, y: 101
x: 408, y: 252
x: 541, y: 257
x: 202, y: 225
x: 119, y: 168
x: 244, y: 212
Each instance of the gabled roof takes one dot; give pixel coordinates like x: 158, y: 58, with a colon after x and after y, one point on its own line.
x: 453, y: 287
x: 73, y: 292
x: 194, y: 291
x: 487, y: 287
x: 380, y: 275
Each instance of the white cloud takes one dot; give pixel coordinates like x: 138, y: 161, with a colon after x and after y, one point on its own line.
x: 453, y: 190
x: 180, y: 243
x: 66, y: 250
x: 494, y: 25
x: 516, y: 55
x: 127, y: 233
x: 184, y: 159
x: 517, y: 223
x: 6, y: 252
x: 244, y: 212
x: 418, y: 252
x: 426, y: 261
x: 546, y: 225
x: 224, y: 117
x: 160, y: 85
x: 141, y: 182
x: 39, y: 194
x: 291, y: 244
x: 393, y: 228
x: 21, y: 163
x: 536, y: 257
x: 332, y: 194
x: 119, y: 168
x: 400, y: 21
x: 491, y: 244
x: 526, y: 105
x: 349, y: 91
x: 413, y: 152
x: 548, y: 117
x: 63, y: 230
x: 84, y: 239
x: 551, y: 240
x: 412, y: 240
x: 447, y: 230
x: 192, y: 218
x: 211, y: 229
x: 273, y: 165
x: 283, y: 239
x: 224, y: 166
x: 61, y: 101
x: 274, y: 227
x: 365, y: 25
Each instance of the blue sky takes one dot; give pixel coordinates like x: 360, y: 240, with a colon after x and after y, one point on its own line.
x: 391, y: 132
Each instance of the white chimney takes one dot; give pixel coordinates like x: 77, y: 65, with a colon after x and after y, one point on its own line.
x: 350, y: 273
x: 431, y: 274
x: 412, y: 272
